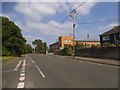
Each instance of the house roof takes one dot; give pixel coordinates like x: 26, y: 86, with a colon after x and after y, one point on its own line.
x: 53, y: 44
x: 115, y: 29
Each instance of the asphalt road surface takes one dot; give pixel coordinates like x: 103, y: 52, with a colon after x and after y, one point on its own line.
x: 49, y: 71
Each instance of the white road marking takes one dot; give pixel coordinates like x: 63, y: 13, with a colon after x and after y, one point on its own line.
x: 32, y: 61
x: 22, y: 74
x: 21, y: 85
x: 23, y: 68
x: 17, y: 66
x: 21, y: 78
x: 23, y: 71
x: 40, y: 71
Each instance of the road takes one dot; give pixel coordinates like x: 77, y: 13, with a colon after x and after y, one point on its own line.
x: 49, y: 71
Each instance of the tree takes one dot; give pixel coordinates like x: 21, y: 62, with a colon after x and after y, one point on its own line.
x: 68, y: 50
x: 45, y: 46
x: 13, y: 43
x: 28, y: 48
x: 40, y: 47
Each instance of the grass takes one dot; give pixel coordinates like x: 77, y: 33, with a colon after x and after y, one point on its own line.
x: 6, y: 58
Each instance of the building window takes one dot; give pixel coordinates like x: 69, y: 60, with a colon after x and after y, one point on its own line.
x: 66, y: 40
x: 105, y: 38
x: 88, y: 45
x: 66, y: 45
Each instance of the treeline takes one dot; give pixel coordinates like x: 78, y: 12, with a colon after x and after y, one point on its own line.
x: 14, y: 44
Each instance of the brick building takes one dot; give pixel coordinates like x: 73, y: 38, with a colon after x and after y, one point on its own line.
x: 89, y: 43
x: 67, y: 40
x: 62, y: 41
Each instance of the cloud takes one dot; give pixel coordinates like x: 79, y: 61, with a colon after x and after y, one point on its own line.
x: 50, y: 27
x: 9, y: 15
x: 34, y: 12
x: 103, y: 19
x: 37, y: 10
x: 107, y: 27
x: 84, y: 9
x: 31, y: 38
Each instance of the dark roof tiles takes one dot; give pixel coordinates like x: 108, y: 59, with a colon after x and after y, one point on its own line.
x: 116, y: 29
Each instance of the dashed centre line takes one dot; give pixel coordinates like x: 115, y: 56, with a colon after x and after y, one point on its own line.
x: 40, y: 71
x: 38, y: 68
x: 32, y: 61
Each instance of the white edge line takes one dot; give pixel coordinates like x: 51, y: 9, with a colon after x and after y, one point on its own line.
x: 40, y: 71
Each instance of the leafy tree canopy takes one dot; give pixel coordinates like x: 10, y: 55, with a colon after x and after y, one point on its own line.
x: 28, y: 48
x: 13, y: 42
x: 40, y: 47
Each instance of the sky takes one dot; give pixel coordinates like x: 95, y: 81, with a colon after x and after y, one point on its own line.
x: 38, y: 20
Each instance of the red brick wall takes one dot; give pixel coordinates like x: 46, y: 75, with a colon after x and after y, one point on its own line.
x: 63, y: 38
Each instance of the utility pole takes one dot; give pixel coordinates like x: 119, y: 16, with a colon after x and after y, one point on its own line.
x: 74, y: 17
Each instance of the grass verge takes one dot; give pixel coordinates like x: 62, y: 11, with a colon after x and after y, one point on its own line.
x: 6, y: 58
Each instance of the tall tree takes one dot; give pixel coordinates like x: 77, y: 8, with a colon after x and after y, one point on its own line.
x: 28, y: 48
x: 13, y: 43
x: 40, y: 47
x: 45, y: 46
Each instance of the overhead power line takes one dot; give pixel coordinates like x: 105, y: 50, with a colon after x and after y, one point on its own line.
x: 64, y: 19
x: 80, y: 5
x: 98, y: 21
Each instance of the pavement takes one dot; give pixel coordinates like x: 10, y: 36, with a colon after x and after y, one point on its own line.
x: 95, y: 60
x: 50, y: 71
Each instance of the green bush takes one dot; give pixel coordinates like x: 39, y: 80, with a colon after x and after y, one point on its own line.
x: 68, y: 50
x: 107, y: 44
